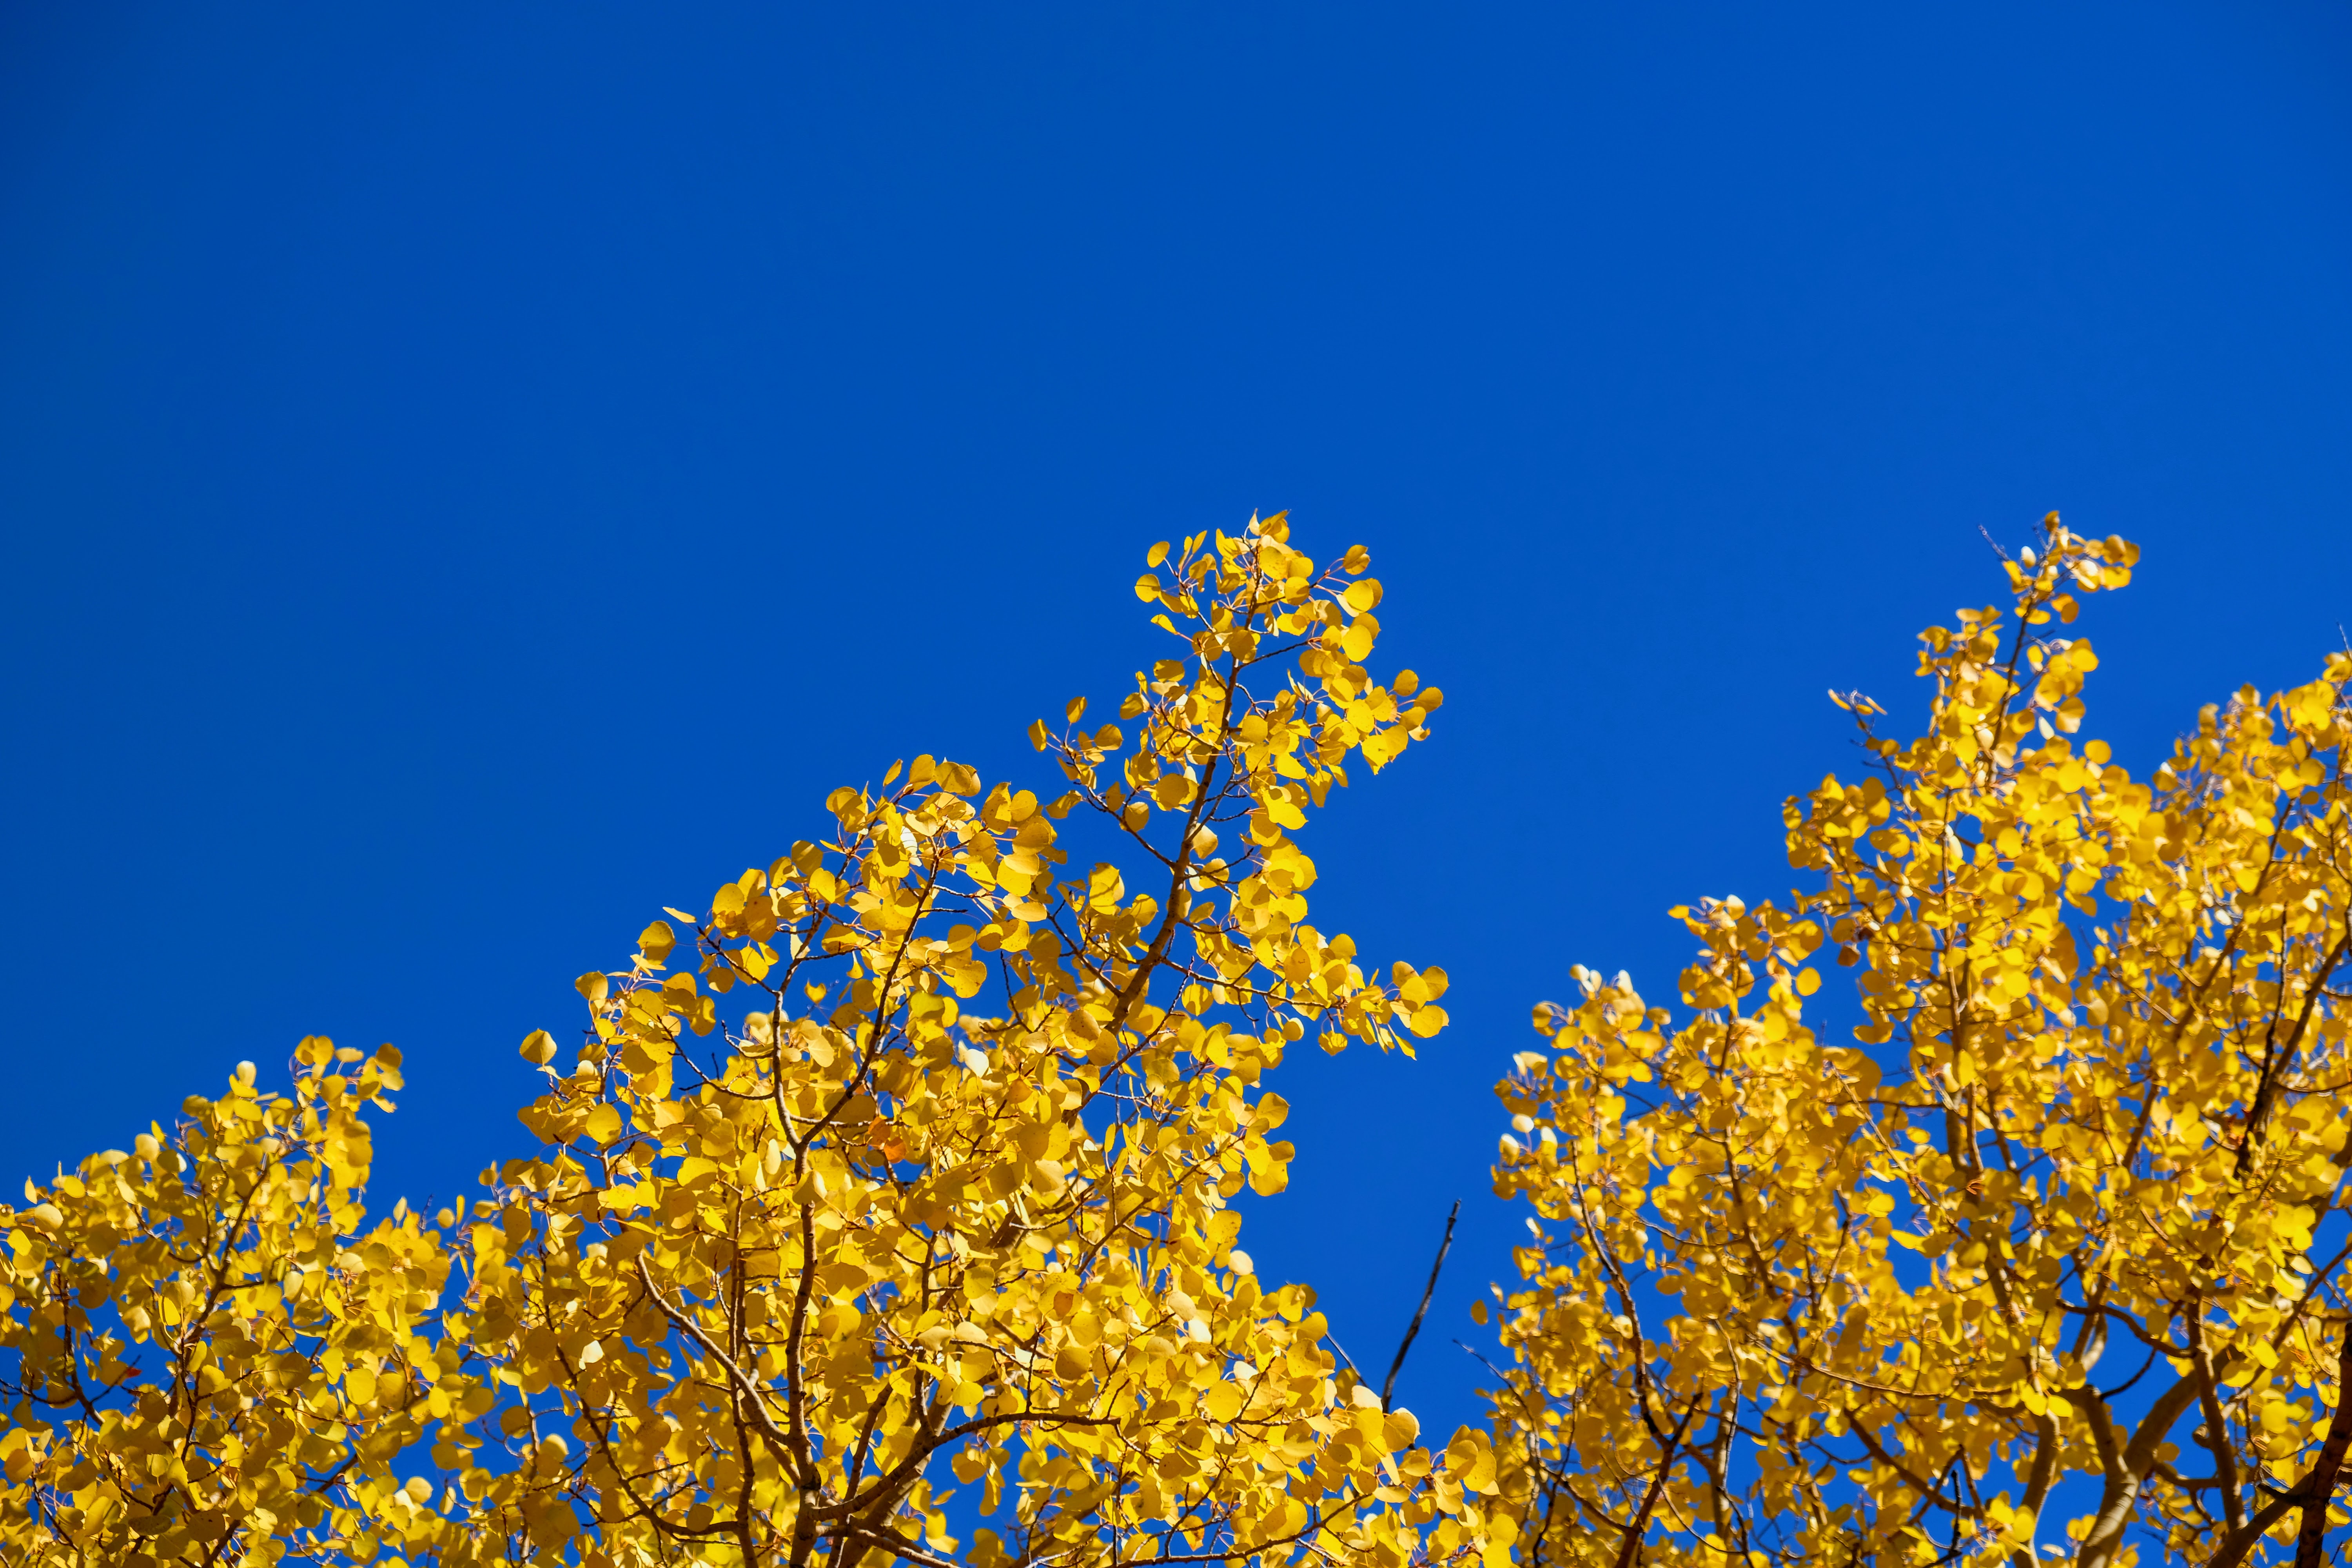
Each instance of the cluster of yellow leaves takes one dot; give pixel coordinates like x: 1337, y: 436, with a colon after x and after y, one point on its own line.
x: 945, y: 1208
x: 208, y: 1360
x: 1779, y: 1304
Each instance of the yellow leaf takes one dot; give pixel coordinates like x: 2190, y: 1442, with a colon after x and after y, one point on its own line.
x: 1398, y: 1429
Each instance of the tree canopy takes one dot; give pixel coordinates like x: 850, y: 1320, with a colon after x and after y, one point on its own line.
x: 943, y: 1202
x: 1973, y: 1279
x: 881, y: 1207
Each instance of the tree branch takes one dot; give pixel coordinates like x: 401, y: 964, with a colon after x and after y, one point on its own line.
x: 1388, y: 1389
x: 2319, y: 1487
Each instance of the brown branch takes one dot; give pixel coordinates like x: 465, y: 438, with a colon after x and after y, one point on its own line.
x: 2242, y: 1540
x: 2274, y: 1065
x: 1180, y: 901
x: 2217, y: 1425
x: 1630, y: 1554
x: 745, y: 1386
x: 2318, y: 1487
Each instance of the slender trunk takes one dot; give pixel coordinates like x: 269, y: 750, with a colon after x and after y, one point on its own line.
x: 2319, y: 1487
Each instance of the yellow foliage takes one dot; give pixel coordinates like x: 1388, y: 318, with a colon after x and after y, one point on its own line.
x: 211, y: 1360
x: 902, y: 1172
x: 946, y: 1207
x: 2070, y: 1204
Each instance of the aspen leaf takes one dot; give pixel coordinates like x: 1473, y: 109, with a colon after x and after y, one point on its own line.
x: 1399, y: 1429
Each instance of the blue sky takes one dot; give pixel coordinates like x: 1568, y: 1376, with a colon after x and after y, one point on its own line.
x: 471, y: 476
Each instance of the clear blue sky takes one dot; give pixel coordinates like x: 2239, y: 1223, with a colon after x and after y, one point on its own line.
x: 472, y: 474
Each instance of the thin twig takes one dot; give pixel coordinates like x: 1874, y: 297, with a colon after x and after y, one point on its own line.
x: 1388, y: 1389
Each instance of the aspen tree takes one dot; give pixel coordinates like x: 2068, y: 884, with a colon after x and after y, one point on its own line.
x: 2046, y: 1257
x: 901, y: 1167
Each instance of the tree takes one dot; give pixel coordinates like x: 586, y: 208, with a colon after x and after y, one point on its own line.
x: 2069, y: 1206
x: 945, y: 1205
